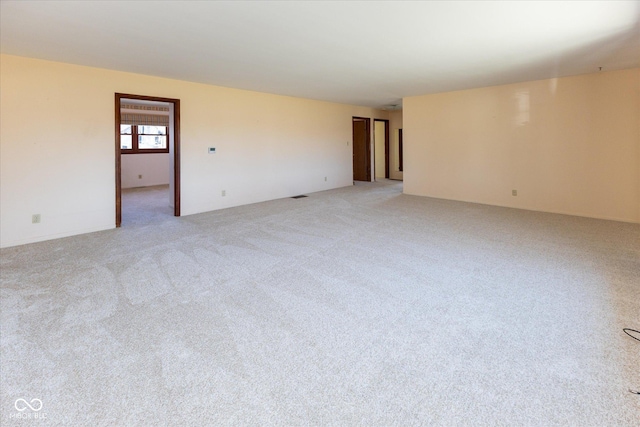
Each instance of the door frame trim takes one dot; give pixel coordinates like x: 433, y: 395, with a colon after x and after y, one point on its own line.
x: 176, y: 150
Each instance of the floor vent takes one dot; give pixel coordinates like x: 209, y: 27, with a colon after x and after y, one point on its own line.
x: 299, y: 197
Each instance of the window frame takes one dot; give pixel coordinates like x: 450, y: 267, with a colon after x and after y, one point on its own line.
x: 134, y: 141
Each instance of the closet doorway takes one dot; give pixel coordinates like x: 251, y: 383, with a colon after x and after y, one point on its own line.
x: 381, y: 148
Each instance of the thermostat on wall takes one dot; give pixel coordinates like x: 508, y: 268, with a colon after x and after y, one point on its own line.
x: 212, y: 150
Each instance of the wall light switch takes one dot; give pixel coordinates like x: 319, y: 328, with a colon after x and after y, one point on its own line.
x: 514, y: 192
x: 212, y: 150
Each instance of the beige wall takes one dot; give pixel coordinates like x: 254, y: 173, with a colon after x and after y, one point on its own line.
x: 153, y: 167
x: 569, y: 145
x: 57, y: 146
x: 395, y: 123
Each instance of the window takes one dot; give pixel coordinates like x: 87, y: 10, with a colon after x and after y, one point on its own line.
x: 144, y: 139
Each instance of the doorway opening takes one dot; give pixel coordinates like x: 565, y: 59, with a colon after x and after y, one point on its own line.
x: 147, y: 126
x: 361, y: 148
x: 381, y: 148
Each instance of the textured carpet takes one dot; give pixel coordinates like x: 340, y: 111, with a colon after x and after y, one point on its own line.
x: 145, y: 206
x: 351, y: 307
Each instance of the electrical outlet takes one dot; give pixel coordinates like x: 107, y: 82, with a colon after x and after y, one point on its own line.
x: 514, y: 192
x: 224, y: 193
x: 35, y: 219
x: 139, y: 176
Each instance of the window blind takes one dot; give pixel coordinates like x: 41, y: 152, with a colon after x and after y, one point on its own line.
x: 149, y: 115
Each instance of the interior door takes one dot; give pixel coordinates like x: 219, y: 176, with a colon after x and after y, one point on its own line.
x: 361, y: 150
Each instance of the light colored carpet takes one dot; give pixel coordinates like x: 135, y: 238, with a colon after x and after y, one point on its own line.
x: 145, y: 205
x: 352, y: 307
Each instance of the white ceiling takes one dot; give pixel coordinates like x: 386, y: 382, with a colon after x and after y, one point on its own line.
x: 363, y: 53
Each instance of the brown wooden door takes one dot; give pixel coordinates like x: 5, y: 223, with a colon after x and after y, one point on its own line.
x: 361, y: 150
x: 400, y: 151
